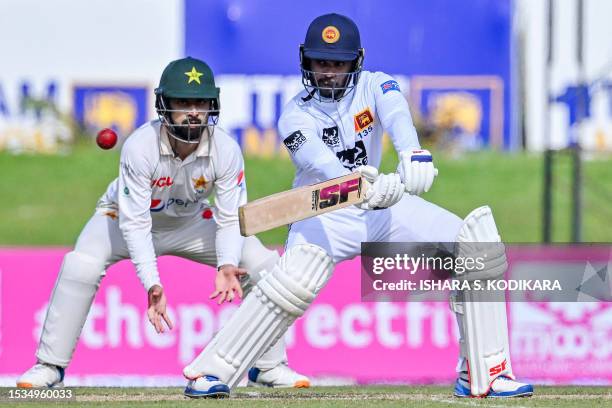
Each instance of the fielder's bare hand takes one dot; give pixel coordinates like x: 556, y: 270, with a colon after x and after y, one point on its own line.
x: 227, y: 282
x: 157, y: 309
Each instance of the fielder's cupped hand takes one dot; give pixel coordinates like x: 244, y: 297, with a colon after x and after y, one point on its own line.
x: 227, y: 283
x: 417, y: 171
x: 157, y: 309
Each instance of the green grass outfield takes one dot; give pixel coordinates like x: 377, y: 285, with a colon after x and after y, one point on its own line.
x: 46, y: 200
x: 350, y: 396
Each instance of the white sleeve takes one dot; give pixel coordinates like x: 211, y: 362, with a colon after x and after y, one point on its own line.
x: 394, y: 112
x: 134, y: 198
x: 230, y: 193
x: 307, y: 150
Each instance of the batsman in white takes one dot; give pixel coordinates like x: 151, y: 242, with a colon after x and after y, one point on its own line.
x: 333, y: 127
x: 159, y: 205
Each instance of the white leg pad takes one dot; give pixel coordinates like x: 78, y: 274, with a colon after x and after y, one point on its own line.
x: 280, y: 297
x: 74, y: 291
x: 257, y: 259
x: 483, y: 323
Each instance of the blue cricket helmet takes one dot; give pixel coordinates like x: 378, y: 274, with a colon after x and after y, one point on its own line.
x: 331, y: 37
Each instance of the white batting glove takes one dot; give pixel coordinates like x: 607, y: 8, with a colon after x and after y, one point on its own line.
x: 385, y: 189
x: 417, y: 171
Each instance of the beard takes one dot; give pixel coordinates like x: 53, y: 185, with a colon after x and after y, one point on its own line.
x: 190, y: 129
x: 333, y: 88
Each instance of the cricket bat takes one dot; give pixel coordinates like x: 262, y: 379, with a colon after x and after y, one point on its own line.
x: 300, y: 203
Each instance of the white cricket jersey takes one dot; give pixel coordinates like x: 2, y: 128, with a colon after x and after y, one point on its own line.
x: 331, y: 139
x: 156, y: 191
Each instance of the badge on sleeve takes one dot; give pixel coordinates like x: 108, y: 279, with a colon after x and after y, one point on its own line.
x: 390, y: 85
x: 294, y: 141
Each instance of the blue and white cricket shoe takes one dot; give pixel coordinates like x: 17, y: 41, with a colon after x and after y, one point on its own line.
x: 281, y: 376
x: 42, y: 376
x: 207, y: 386
x: 501, y: 387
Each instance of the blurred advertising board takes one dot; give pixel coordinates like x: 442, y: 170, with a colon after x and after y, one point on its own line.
x: 340, y: 339
x: 73, y: 51
x: 453, y: 59
x: 123, y: 108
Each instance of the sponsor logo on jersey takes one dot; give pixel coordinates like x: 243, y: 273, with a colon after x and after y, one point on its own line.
x: 199, y: 184
x: 157, y: 205
x: 363, y: 119
x: 294, y: 141
x: 331, y: 137
x: 126, y: 191
x: 355, y: 157
x: 390, y: 85
x: 162, y: 182
x: 330, y: 34
x: 180, y: 202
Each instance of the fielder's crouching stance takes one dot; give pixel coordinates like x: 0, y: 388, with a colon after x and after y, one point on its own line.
x: 159, y: 205
x: 333, y: 127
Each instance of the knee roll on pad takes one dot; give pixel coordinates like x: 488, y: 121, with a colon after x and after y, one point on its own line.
x: 280, y: 297
x: 478, y: 239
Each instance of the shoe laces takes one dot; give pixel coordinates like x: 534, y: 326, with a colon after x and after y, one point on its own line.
x: 503, y: 378
x: 40, y: 367
x: 285, y: 367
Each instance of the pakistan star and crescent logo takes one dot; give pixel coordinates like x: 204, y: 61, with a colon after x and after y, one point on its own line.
x: 194, y: 75
x: 199, y: 184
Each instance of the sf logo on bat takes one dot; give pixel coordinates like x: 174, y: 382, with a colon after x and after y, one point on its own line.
x: 335, y: 194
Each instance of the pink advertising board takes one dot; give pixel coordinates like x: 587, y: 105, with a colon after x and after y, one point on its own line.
x: 339, y: 339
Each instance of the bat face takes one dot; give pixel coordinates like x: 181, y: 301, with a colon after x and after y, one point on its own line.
x: 300, y: 203
x: 335, y: 194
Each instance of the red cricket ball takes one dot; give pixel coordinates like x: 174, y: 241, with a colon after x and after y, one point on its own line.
x: 106, y: 138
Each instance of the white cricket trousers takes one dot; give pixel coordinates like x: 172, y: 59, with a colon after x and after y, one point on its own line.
x: 413, y: 219
x: 100, y: 245
x: 341, y: 232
